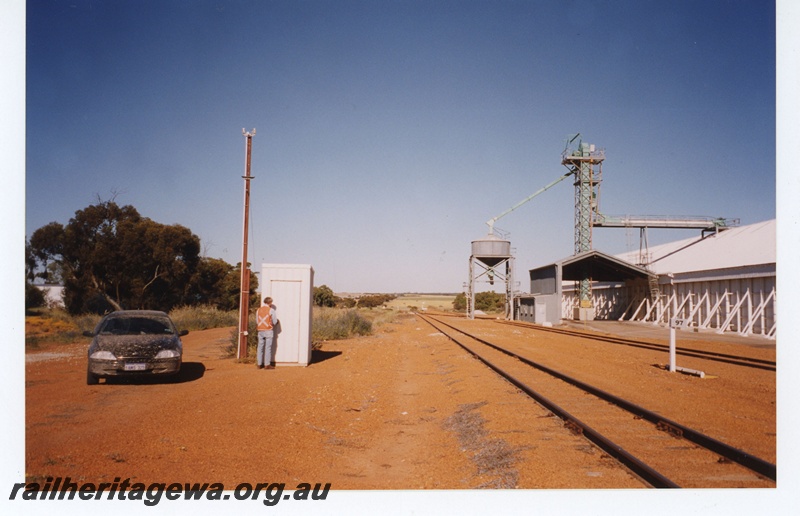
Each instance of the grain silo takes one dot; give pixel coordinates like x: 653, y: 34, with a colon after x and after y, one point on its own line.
x: 491, y: 261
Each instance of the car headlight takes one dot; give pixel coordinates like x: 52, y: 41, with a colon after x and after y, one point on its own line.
x: 167, y: 353
x: 103, y: 355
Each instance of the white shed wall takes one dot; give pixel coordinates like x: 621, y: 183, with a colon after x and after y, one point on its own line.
x: 745, y: 305
x: 291, y: 288
x: 53, y: 294
x: 724, y: 281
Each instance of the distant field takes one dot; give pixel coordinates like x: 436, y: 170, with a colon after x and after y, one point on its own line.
x: 422, y: 301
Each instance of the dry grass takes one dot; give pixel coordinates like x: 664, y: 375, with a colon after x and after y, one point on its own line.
x: 40, y: 326
x: 56, y: 326
x: 203, y: 317
x: 334, y: 323
x: 494, y: 458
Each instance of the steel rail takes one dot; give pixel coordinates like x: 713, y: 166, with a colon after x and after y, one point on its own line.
x: 756, y: 363
x: 639, y: 468
x: 741, y: 457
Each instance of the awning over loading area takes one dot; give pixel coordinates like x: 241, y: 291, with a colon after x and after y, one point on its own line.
x: 600, y: 267
x: 544, y: 304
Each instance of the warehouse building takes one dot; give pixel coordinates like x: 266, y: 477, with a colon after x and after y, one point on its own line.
x: 723, y: 281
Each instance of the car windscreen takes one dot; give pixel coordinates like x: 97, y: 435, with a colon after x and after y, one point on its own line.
x: 136, y: 326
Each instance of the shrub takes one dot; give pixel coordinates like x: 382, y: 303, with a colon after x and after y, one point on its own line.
x: 332, y: 324
x: 490, y: 301
x: 345, y: 302
x: 86, y: 322
x: 374, y: 300
x: 252, y: 340
x: 34, y: 297
x: 203, y: 317
x: 485, y: 301
x: 56, y: 325
x: 323, y: 296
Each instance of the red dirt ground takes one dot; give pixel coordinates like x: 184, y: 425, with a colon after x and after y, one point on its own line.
x: 402, y: 409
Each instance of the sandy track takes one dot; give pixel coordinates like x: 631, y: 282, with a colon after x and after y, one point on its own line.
x: 402, y: 409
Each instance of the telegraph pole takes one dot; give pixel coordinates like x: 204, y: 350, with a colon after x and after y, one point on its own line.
x: 244, y: 301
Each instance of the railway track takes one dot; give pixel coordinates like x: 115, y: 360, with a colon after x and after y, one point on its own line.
x: 696, y: 353
x: 661, y: 452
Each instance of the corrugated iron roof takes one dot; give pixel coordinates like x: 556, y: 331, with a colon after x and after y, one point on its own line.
x: 600, y: 267
x: 743, y: 246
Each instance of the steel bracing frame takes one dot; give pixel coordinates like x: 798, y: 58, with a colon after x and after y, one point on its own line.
x: 586, y: 165
x: 502, y: 271
x: 745, y: 306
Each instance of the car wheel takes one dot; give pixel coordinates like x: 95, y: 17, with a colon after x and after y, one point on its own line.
x: 92, y: 379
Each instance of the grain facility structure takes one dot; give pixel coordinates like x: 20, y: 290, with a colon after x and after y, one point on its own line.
x: 724, y: 281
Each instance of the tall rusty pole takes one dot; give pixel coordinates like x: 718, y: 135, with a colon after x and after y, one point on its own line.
x: 244, y: 300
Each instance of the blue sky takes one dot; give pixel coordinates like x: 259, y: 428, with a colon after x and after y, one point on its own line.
x: 388, y: 132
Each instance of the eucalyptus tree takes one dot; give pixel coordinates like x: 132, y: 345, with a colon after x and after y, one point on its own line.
x: 110, y: 257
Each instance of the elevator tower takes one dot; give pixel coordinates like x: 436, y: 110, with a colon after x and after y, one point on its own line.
x: 586, y: 163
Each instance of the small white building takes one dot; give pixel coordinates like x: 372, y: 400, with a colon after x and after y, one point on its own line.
x: 291, y: 288
x: 53, y: 294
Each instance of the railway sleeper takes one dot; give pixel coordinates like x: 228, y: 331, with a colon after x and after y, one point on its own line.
x: 670, y: 429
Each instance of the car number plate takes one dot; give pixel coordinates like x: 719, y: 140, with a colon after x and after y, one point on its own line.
x: 135, y: 367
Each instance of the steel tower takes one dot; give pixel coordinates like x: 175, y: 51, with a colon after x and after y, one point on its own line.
x: 586, y: 164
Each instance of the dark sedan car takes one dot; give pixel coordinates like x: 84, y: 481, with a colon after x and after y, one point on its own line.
x: 134, y: 342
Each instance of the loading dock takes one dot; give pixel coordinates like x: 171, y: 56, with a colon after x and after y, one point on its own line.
x: 544, y: 304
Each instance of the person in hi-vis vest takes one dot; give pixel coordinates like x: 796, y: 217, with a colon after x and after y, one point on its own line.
x: 266, y: 319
